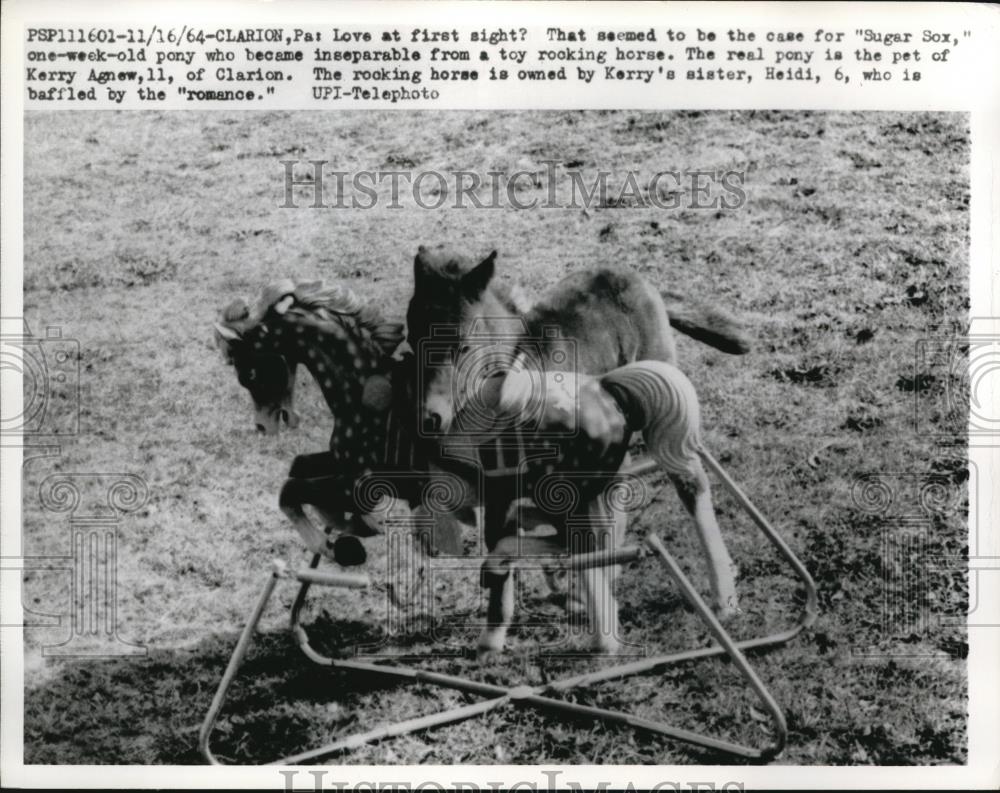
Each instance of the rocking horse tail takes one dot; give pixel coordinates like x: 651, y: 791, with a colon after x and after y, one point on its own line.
x: 659, y: 401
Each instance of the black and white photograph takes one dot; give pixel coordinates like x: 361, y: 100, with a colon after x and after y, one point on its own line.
x: 499, y: 437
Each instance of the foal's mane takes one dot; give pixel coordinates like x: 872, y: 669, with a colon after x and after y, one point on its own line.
x: 511, y: 297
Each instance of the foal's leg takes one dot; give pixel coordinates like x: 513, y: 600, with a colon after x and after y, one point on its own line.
x: 524, y: 516
x: 608, y: 529
x: 696, y: 495
x: 497, y: 579
x: 407, y: 533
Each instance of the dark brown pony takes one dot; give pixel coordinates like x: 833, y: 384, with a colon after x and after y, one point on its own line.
x: 470, y: 334
x: 604, y: 318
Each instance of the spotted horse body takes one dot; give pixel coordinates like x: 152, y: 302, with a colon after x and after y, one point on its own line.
x: 374, y: 462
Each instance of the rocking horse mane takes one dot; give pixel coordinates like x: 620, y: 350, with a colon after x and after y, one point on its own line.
x: 322, y: 304
x: 340, y: 302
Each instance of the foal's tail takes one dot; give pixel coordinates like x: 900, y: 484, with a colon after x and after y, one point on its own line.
x: 659, y: 401
x: 711, y: 326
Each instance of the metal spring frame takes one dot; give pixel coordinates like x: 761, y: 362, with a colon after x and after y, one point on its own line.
x: 498, y: 696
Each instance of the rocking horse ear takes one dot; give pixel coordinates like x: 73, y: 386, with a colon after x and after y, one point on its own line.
x: 284, y: 304
x: 224, y: 333
x: 478, y: 278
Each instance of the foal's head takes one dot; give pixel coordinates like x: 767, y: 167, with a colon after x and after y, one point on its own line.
x: 463, y: 327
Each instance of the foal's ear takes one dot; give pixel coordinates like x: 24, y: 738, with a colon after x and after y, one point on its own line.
x: 419, y: 265
x: 478, y: 278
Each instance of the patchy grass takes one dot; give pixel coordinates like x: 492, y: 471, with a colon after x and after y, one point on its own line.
x: 139, y: 227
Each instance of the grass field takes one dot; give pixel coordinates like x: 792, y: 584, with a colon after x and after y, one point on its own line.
x: 139, y: 227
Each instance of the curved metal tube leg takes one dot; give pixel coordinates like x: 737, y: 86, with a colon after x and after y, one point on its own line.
x: 242, y: 645
x: 306, y: 578
x: 395, y: 730
x: 726, y: 641
x: 812, y: 601
x: 498, y: 696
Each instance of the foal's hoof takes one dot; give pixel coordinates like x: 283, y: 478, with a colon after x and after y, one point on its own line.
x: 555, y: 578
x: 486, y: 656
x: 576, y: 606
x: 490, y: 646
x: 728, y: 611
x: 404, y: 597
x: 606, y: 645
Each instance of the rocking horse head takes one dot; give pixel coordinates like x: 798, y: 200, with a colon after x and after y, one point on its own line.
x: 324, y: 328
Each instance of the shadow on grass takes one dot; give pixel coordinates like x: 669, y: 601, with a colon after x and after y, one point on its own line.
x: 149, y: 710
